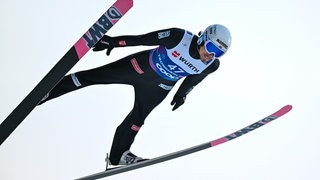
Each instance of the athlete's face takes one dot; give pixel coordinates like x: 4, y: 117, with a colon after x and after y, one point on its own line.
x: 204, y: 55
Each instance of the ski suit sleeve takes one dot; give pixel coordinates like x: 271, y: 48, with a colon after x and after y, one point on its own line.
x: 190, y: 82
x: 166, y: 37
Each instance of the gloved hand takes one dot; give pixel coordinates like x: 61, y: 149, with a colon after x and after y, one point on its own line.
x: 106, y: 42
x: 177, y: 101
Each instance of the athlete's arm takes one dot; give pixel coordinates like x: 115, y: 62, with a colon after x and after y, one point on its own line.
x: 191, y: 81
x: 166, y: 37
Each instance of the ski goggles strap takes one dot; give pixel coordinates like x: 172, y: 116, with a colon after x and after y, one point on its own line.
x: 213, y: 49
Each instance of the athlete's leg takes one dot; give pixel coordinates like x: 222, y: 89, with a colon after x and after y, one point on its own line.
x: 120, y: 71
x: 147, y: 97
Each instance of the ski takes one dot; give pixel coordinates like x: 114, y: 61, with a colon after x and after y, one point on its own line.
x: 184, y: 152
x: 76, y: 52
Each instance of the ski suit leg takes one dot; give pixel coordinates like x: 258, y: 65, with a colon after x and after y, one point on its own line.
x: 146, y: 99
x: 120, y: 71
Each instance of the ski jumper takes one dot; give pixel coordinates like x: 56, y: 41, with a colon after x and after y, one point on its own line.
x: 152, y: 73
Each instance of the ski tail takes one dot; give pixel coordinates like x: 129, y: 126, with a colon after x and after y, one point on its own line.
x: 76, y: 52
x: 184, y: 152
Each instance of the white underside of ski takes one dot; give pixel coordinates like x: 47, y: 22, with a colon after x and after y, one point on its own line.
x: 190, y: 150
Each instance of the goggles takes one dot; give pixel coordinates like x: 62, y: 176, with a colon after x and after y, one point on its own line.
x: 213, y: 49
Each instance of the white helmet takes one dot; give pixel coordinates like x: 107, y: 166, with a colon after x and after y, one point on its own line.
x: 216, y: 40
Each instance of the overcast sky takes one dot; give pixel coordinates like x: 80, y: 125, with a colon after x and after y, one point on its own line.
x: 273, y: 61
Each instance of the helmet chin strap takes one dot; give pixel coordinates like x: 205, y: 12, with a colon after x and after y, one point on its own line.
x: 200, y: 41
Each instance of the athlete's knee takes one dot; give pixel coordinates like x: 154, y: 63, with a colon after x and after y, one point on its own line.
x: 75, y: 80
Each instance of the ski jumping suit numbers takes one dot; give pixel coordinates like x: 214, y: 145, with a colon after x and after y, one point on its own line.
x: 173, y: 64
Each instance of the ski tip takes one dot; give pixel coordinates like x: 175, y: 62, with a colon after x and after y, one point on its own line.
x: 124, y: 3
x: 285, y: 109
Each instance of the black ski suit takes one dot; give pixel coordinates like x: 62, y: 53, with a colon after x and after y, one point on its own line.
x: 151, y: 77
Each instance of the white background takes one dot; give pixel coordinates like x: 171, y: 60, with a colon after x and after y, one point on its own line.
x: 273, y: 61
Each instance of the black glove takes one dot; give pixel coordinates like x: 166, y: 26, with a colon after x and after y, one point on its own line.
x: 177, y: 101
x: 106, y: 42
